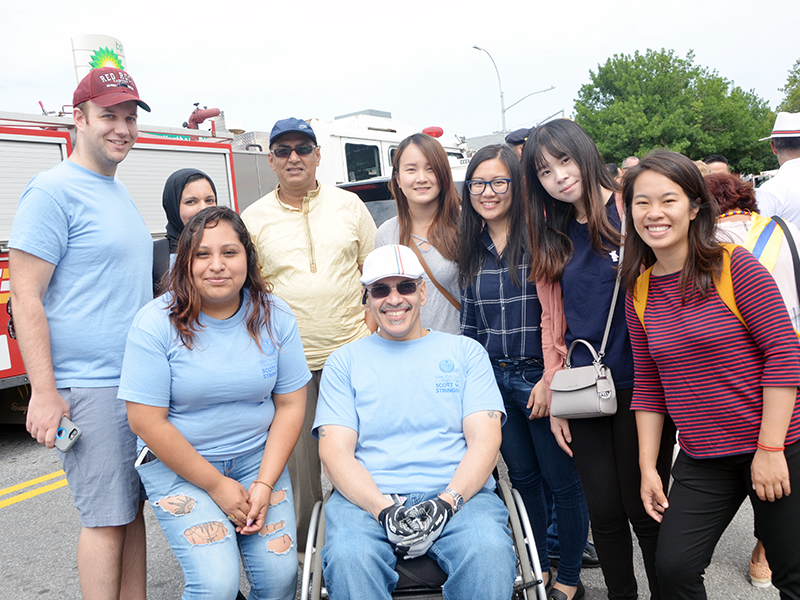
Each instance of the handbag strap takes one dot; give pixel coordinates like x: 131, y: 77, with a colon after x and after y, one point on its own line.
x: 439, y: 287
x: 793, y: 248
x: 616, y: 290
x: 595, y: 357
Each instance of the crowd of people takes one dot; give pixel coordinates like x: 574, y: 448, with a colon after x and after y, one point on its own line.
x: 222, y: 368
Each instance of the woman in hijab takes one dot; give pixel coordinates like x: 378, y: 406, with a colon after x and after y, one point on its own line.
x: 186, y: 192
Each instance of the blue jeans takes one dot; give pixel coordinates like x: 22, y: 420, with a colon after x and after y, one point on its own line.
x: 475, y: 550
x: 206, y: 544
x: 532, y: 454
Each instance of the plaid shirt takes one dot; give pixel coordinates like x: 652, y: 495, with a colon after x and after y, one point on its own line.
x: 505, y: 319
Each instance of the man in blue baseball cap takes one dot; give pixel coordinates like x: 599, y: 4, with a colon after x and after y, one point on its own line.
x: 312, y: 239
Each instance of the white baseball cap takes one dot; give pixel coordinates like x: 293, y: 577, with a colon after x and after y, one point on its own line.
x: 786, y: 125
x: 391, y: 261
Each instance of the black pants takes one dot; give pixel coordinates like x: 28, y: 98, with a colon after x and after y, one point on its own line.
x: 705, y: 496
x: 607, y: 456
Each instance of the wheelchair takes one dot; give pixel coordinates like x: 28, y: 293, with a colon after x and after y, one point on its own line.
x: 421, y: 577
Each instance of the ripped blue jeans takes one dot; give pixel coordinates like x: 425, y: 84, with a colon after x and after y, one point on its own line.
x: 206, y: 544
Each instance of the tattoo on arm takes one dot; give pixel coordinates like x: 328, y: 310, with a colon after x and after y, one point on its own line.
x: 321, y: 432
x: 492, y: 414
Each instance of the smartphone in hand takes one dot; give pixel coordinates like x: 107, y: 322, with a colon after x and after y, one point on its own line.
x: 67, y: 434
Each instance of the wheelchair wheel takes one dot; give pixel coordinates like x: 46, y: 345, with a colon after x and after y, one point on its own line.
x: 311, y: 585
x: 528, y: 579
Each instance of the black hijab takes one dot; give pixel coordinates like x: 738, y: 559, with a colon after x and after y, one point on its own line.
x: 171, y: 201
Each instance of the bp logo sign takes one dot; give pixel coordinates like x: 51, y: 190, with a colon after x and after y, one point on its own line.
x: 105, y: 57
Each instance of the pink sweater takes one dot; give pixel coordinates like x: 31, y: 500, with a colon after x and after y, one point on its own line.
x: 554, y: 328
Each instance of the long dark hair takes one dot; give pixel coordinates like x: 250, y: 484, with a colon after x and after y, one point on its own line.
x: 442, y: 232
x: 550, y: 218
x: 171, y: 201
x: 185, y: 303
x: 471, y: 252
x: 704, y: 260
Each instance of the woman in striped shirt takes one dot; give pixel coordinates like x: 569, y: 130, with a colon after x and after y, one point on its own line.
x: 730, y: 385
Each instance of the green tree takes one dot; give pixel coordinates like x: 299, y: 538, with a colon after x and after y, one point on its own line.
x: 791, y: 103
x: 634, y: 104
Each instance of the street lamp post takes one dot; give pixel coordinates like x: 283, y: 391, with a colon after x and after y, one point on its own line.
x: 503, y: 108
x: 502, y: 102
x: 552, y: 87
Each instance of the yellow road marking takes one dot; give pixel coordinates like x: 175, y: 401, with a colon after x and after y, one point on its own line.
x: 25, y: 484
x: 32, y: 493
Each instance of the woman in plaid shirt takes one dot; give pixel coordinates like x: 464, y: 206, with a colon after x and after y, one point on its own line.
x: 500, y: 309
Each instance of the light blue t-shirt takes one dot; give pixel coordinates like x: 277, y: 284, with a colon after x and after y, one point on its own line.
x: 87, y: 225
x: 407, y: 401
x: 219, y: 393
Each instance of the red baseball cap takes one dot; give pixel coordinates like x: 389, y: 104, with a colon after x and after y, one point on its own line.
x: 107, y: 87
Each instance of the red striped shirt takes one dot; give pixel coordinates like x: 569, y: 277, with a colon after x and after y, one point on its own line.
x: 701, y: 365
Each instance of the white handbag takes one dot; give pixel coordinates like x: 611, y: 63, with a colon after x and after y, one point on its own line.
x: 583, y: 392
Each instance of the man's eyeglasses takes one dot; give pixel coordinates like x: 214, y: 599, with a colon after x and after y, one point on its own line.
x: 477, y: 186
x: 283, y: 152
x: 382, y: 290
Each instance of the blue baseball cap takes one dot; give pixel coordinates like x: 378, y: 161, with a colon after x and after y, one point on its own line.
x: 515, y: 138
x: 291, y: 125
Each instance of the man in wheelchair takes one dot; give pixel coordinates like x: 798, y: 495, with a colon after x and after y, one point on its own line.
x: 409, y: 423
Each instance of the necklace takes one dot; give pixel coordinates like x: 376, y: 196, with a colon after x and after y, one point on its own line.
x: 734, y: 212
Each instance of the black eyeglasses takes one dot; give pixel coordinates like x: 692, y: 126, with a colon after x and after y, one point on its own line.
x: 382, y: 290
x: 283, y: 152
x: 477, y: 186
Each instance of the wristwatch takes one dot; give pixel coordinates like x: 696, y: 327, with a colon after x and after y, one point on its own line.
x: 458, y: 500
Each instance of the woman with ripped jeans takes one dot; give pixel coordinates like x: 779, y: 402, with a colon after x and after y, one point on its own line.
x: 215, y: 378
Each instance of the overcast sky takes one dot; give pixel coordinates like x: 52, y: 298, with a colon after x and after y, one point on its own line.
x: 263, y: 61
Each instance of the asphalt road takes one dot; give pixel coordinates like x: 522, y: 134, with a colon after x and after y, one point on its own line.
x: 40, y: 530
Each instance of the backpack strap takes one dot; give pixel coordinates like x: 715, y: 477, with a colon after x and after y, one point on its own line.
x: 764, y: 240
x: 724, y: 284
x: 792, y: 249
x: 640, y: 292
x: 795, y: 258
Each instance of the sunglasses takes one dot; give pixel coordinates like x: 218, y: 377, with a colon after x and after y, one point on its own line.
x: 11, y: 331
x: 382, y: 290
x: 284, y: 152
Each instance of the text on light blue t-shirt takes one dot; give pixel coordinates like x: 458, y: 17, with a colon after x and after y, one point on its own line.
x: 407, y: 401
x: 87, y: 225
x: 219, y: 393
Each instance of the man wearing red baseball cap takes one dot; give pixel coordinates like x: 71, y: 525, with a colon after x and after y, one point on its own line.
x: 81, y: 260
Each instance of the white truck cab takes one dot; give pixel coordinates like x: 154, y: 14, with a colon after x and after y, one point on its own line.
x: 361, y: 146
